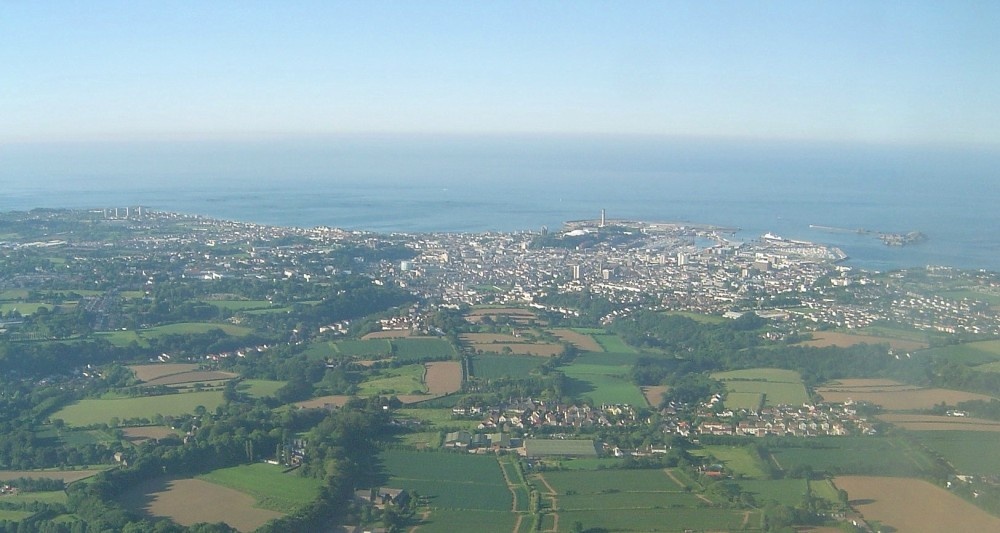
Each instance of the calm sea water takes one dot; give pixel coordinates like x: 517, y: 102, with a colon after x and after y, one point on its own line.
x: 482, y: 184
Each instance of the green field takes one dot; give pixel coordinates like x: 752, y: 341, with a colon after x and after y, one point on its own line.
x: 499, y: 366
x: 959, y: 294
x: 698, y: 317
x: 609, y: 481
x: 625, y: 360
x: 260, y: 388
x: 784, y: 491
x: 90, y: 411
x: 672, y: 519
x: 402, y: 380
x: 862, y: 455
x: 970, y: 353
x: 450, y: 480
x: 965, y: 449
x: 124, y: 338
x: 602, y: 384
x: 53, y: 496
x: 449, y: 521
x: 613, y: 343
x: 560, y: 447
x: 745, y: 388
x: 372, y: 348
x: 14, y: 516
x: 737, y: 459
x: 274, y: 490
x: 239, y: 305
x: 26, y: 309
x: 415, y: 349
x: 87, y: 437
x: 439, y: 418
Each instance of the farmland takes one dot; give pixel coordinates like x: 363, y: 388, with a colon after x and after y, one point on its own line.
x: 969, y: 353
x: 401, y: 380
x: 632, y: 500
x: 913, y: 505
x: 940, y: 423
x: 855, y: 455
x: 100, y: 411
x: 443, y: 377
x: 273, y: 489
x: 613, y: 343
x: 156, y: 371
x: 417, y: 348
x: 496, y: 366
x: 67, y: 476
x: 750, y: 389
x: 822, y: 339
x: 583, y: 341
x: 603, y: 384
x: 893, y: 396
x: 450, y: 480
x: 738, y: 459
x: 189, y: 501
x: 506, y: 343
x: 964, y: 449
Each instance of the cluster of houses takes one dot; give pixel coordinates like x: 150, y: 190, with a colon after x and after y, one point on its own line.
x: 787, y: 420
x: 525, y: 414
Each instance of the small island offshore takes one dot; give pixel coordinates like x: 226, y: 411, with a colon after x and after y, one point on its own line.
x: 611, y: 375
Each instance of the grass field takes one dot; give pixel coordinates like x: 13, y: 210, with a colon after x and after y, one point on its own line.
x: 260, y: 388
x: 400, y: 380
x: 439, y: 418
x: 940, y: 423
x: 747, y: 388
x: 86, y: 437
x: 896, y: 399
x: 784, y: 491
x: 856, y: 455
x: 961, y: 294
x: 560, y: 447
x: 68, y: 476
x: 417, y: 348
x: 964, y: 449
x: 698, y: 317
x: 737, y: 459
x: 274, y: 490
x: 497, y: 366
x: 625, y: 360
x: 602, y: 384
x: 450, y: 521
x: 970, y: 353
x: 54, y: 496
x: 450, y: 480
x: 91, y: 411
x: 613, y: 343
x: 125, y: 338
x: 239, y: 305
x: 366, y: 349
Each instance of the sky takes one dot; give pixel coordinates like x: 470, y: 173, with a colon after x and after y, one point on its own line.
x: 853, y: 71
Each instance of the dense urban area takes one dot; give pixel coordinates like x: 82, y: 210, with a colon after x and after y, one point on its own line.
x: 169, y: 372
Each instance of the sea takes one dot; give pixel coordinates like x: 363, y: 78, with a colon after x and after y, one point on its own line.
x: 813, y: 191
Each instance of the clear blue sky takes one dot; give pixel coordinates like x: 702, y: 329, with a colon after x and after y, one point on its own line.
x: 870, y: 71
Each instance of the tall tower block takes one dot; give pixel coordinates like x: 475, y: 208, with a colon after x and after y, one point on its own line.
x: 602, y: 218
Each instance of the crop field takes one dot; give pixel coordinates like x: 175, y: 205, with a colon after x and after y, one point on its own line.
x: 274, y: 490
x: 654, y: 394
x: 338, y: 400
x: 361, y: 348
x: 497, y: 366
x: 439, y: 418
x: 613, y: 343
x: 694, y: 518
x: 100, y: 411
x: 67, y: 476
x: 516, y: 314
x: 787, y: 491
x: 83, y: 437
x: 155, y: 371
x: 400, y: 380
x: 450, y: 480
x: 738, y: 459
x: 822, y: 339
x: 855, y: 455
x: 966, y: 450
x: 449, y: 521
x: 970, y: 353
x: 560, y: 447
x: 625, y: 360
x: 239, y: 305
x: 914, y: 505
x: 192, y: 377
x: 602, y: 384
x: 140, y: 434
x: 189, y: 501
x: 746, y: 388
x: 443, y: 377
x: 416, y: 348
x: 387, y: 334
x: 609, y: 481
x: 940, y: 423
x: 898, y: 400
x: 583, y: 341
